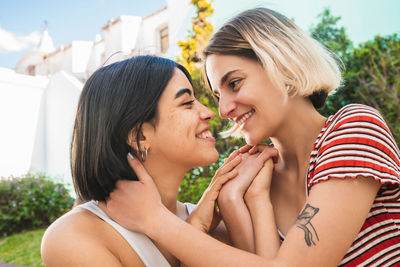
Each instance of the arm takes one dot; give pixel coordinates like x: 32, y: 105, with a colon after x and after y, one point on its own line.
x: 343, y: 206
x: 205, y: 217
x: 330, y: 221
x: 237, y: 219
x: 258, y: 201
x: 234, y: 211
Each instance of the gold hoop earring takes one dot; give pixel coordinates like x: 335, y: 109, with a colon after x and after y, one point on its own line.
x: 143, y: 155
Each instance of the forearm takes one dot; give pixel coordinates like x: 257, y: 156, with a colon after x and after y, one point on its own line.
x: 267, y: 241
x: 236, y: 217
x: 166, y: 227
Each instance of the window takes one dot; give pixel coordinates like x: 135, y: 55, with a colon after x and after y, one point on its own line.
x: 164, y: 39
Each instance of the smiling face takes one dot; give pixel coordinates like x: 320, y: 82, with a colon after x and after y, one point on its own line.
x: 246, y: 96
x: 181, y: 134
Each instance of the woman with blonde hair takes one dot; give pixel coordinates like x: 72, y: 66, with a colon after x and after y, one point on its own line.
x: 334, y: 194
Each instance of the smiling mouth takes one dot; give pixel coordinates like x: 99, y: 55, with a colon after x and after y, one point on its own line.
x: 241, y: 119
x: 205, y: 135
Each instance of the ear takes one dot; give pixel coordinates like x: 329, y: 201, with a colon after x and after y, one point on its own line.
x: 145, y: 137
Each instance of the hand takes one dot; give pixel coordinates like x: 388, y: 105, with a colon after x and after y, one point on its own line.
x: 252, y: 162
x: 261, y: 184
x: 133, y: 204
x: 260, y: 148
x: 205, y: 217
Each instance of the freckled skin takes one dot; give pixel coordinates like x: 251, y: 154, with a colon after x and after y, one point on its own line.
x: 174, y: 138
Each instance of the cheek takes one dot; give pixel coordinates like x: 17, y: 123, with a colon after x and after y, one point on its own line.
x: 178, y: 129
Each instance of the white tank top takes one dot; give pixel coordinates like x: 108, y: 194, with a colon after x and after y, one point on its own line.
x: 140, y: 243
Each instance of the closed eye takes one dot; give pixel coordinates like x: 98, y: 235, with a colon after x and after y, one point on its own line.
x: 189, y: 103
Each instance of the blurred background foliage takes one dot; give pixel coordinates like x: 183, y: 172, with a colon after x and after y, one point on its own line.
x: 371, y: 76
x: 30, y: 202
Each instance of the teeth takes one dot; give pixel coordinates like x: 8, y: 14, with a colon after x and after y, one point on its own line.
x: 245, y: 117
x: 205, y: 134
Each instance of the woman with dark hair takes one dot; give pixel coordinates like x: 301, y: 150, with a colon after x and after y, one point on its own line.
x: 334, y: 195
x: 143, y: 107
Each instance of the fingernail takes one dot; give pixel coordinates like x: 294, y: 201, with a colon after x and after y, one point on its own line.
x: 130, y: 155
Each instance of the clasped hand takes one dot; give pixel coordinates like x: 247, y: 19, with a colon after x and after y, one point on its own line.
x: 134, y: 204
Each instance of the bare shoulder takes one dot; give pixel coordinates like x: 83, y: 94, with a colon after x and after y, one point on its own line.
x: 80, y: 238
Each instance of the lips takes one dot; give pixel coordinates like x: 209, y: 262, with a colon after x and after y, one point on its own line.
x: 204, y: 134
x: 242, y: 118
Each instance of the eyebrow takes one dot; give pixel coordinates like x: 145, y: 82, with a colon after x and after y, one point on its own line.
x: 182, y: 92
x: 225, y: 77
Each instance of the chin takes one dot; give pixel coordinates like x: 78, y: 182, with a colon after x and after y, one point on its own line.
x: 252, y: 140
x: 210, y: 158
x: 214, y: 156
x: 249, y: 140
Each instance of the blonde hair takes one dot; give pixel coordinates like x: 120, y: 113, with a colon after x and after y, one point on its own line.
x: 292, y: 60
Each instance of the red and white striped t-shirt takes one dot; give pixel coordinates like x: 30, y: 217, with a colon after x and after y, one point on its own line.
x: 357, y: 142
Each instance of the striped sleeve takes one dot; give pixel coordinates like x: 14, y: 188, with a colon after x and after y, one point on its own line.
x: 358, y: 143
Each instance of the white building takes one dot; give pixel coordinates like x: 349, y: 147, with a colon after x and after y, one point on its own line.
x: 125, y: 36
x: 38, y: 100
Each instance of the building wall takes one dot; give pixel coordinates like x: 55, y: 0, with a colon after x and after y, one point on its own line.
x: 36, y: 118
x: 150, y: 41
x: 20, y: 102
x: 131, y: 35
x: 59, y: 103
x: 37, y: 112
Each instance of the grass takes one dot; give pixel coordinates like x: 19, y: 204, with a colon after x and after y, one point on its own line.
x: 22, y: 249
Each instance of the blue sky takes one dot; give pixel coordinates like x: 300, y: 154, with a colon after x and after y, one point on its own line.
x: 21, y: 21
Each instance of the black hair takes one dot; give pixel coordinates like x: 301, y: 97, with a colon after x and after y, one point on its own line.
x: 115, y: 100
x: 318, y: 98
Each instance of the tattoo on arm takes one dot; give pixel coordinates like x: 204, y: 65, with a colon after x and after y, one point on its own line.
x: 304, y: 222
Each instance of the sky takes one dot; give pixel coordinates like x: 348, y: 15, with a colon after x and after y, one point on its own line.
x: 22, y: 21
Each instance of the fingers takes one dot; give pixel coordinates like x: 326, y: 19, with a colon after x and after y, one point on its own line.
x: 139, y: 169
x: 269, y: 163
x: 231, y: 156
x: 216, y: 184
x: 245, y: 148
x: 228, y: 166
x: 259, y: 148
x: 224, y: 178
x: 267, y: 153
x: 253, y: 150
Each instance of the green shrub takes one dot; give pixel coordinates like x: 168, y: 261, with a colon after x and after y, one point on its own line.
x: 30, y: 202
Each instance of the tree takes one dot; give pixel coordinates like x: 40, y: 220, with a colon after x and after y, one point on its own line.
x: 335, y: 39
x: 372, y: 71
x: 197, y: 180
x: 201, y: 32
x: 374, y: 78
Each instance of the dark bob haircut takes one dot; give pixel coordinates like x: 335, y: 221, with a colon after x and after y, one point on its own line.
x: 115, y: 100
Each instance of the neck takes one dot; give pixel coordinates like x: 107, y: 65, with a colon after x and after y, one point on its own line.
x: 296, y: 135
x: 168, y: 178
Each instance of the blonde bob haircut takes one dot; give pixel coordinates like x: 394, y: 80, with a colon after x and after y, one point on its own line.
x: 292, y: 60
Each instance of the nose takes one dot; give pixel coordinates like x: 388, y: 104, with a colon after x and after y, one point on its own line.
x: 226, y: 106
x: 206, y: 113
